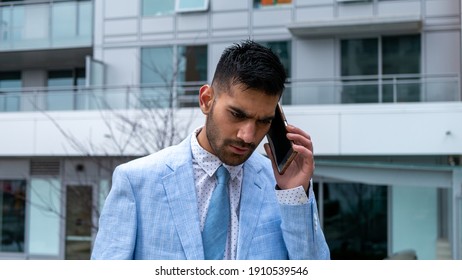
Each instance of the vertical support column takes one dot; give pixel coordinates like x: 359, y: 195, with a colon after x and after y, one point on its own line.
x: 457, y: 214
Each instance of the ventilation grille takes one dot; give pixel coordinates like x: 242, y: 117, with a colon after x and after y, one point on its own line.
x: 44, y: 167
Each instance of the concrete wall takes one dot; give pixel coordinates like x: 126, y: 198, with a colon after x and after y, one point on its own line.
x: 402, y: 129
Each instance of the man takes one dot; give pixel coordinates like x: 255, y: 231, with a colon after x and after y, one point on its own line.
x: 158, y: 205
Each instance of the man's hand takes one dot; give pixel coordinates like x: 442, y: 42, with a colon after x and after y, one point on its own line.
x: 301, y: 169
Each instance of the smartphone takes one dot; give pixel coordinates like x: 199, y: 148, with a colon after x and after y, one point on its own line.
x: 280, y: 145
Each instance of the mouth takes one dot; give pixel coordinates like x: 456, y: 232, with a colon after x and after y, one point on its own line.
x: 239, y: 150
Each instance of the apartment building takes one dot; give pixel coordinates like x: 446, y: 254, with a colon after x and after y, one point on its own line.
x: 86, y: 85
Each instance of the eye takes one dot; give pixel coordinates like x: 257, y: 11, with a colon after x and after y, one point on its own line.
x: 265, y: 122
x: 238, y: 115
x: 268, y: 121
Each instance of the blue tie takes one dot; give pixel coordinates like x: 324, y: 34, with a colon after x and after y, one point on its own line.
x: 215, y: 230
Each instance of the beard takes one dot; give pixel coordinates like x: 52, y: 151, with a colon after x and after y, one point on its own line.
x: 221, y: 146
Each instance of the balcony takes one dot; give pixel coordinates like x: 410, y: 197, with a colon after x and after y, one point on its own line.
x: 374, y: 89
x: 45, y: 25
x: 352, y: 90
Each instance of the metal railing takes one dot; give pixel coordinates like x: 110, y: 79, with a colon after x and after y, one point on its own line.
x: 47, y: 24
x: 397, y: 89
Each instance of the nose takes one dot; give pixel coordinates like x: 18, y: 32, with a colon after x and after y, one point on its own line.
x: 247, y: 132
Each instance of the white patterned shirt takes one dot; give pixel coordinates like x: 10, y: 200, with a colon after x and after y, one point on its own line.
x: 205, y: 165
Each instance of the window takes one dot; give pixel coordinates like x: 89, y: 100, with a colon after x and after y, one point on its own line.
x: 384, y: 69
x: 359, y: 57
x: 270, y: 3
x: 354, y: 219
x: 10, y: 85
x: 166, y: 7
x: 173, y: 72
x: 401, y: 68
x: 191, y: 5
x: 157, y: 7
x: 12, y: 215
x: 62, y: 83
x: 157, y: 65
x: 283, y: 50
x: 192, y: 66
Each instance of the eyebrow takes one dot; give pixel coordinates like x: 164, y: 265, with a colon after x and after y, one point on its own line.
x: 243, y: 113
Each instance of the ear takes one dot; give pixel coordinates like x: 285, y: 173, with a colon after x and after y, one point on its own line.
x: 206, y: 96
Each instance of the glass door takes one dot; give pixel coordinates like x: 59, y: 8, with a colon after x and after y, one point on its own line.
x: 354, y: 218
x: 79, y: 206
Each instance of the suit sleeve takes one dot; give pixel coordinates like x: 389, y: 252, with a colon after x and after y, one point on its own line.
x: 302, y: 232
x: 116, y: 236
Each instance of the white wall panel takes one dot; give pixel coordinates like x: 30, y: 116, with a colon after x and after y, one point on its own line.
x: 215, y: 51
x: 314, y: 58
x: 399, y: 8
x: 121, y: 8
x: 157, y: 38
x: 271, y: 17
x: 402, y: 130
x: 354, y: 10
x: 442, y: 7
x: 18, y: 134
x: 122, y: 66
x: 88, y: 130
x: 192, y: 22
x: 226, y: 5
x: 157, y: 24
x: 322, y: 126
x: 314, y: 13
x: 442, y: 52
x: 121, y: 27
x: 312, y: 2
x: 440, y: 23
x: 270, y: 33
x: 122, y: 39
x: 230, y: 20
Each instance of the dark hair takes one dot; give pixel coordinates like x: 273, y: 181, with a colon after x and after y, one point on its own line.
x: 250, y: 64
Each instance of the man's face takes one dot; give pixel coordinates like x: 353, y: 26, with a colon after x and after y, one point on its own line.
x: 236, y: 122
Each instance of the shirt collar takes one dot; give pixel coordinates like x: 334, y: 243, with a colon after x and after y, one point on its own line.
x: 209, y: 162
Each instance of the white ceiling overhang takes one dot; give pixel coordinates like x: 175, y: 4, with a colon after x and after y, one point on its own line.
x: 370, y: 25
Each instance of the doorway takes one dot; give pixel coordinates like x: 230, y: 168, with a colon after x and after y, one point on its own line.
x: 79, y: 209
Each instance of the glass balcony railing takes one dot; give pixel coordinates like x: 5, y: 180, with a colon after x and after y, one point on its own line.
x: 410, y: 89
x: 44, y: 25
x: 372, y: 89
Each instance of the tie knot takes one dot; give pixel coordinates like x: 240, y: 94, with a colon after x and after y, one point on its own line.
x: 222, y: 175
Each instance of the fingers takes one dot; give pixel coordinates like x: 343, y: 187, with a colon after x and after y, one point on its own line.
x: 300, y: 138
x: 300, y: 171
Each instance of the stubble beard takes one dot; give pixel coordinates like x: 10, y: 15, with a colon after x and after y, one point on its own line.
x: 220, y: 146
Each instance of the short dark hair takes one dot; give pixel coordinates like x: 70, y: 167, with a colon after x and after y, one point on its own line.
x: 252, y: 65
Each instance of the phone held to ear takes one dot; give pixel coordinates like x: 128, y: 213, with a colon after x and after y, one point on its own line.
x: 280, y: 145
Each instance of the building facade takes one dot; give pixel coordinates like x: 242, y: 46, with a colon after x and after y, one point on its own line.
x: 87, y: 85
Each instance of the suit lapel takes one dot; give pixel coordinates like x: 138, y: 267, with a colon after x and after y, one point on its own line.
x: 250, y: 207
x: 181, y: 195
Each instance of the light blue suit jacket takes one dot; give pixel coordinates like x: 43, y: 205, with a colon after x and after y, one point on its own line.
x: 151, y: 213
